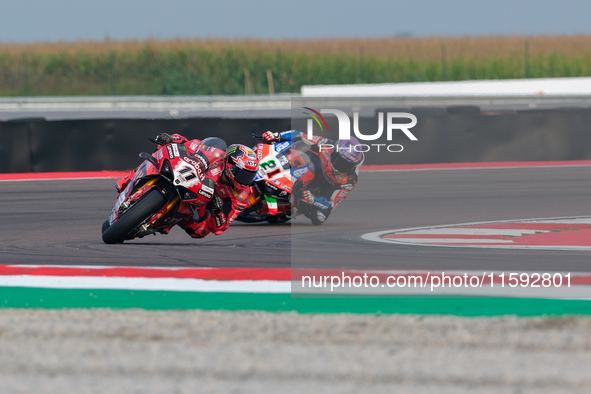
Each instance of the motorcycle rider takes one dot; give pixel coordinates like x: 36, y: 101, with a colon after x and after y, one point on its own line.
x: 228, y: 170
x: 340, y: 162
x: 240, y: 167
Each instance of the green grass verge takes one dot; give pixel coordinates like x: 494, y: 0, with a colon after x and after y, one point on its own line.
x: 19, y: 297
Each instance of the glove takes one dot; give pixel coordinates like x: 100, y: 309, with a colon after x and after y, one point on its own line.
x: 163, y: 139
x: 269, y: 137
x: 216, y: 204
x: 218, y: 214
x: 307, y: 197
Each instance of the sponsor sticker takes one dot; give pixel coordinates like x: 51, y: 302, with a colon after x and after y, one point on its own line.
x: 207, y: 189
x: 197, y: 165
x: 170, y: 152
x: 280, y: 147
x: 299, y: 172
x: 204, y: 194
x: 282, y: 160
x: 202, y: 159
x: 281, y: 185
x: 175, y: 149
x: 321, y: 205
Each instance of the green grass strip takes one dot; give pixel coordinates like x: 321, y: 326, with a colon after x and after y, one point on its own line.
x: 21, y: 297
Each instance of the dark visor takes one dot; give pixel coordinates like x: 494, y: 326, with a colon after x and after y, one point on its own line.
x: 243, y: 177
x: 341, y: 164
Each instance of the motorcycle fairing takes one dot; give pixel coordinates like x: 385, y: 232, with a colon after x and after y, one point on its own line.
x: 281, y: 146
x: 271, y: 204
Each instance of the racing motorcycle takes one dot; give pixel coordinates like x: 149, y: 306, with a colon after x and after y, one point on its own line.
x: 167, y: 182
x: 283, y: 168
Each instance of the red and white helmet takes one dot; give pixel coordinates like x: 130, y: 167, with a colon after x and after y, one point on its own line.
x: 241, y: 165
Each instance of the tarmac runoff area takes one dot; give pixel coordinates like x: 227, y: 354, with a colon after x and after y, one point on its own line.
x: 138, y: 351
x: 101, y: 350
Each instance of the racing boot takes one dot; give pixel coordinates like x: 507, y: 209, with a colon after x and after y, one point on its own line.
x: 200, y: 229
x: 318, y: 217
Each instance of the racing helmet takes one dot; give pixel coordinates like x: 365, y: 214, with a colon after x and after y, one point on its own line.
x: 346, y: 155
x: 240, y: 165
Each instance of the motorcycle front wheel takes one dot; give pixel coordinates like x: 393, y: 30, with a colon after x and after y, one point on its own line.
x: 132, y: 218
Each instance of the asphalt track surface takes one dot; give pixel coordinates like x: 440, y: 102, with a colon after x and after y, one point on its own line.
x: 58, y: 223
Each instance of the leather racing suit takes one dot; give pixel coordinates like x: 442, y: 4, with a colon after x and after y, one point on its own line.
x: 327, y: 191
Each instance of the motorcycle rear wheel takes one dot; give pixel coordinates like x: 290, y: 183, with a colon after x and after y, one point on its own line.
x: 139, y: 212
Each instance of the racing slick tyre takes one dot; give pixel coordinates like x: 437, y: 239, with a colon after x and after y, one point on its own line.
x: 141, y: 210
x: 105, y: 226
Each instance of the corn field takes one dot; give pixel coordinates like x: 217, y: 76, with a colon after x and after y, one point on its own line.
x: 235, y: 67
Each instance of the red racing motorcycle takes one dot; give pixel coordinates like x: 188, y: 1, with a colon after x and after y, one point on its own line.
x: 167, y: 187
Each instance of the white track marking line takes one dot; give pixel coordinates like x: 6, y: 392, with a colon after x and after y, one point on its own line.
x: 377, y: 235
x: 473, y: 231
x: 572, y: 221
x: 450, y: 240
x: 168, y: 284
x: 100, y: 267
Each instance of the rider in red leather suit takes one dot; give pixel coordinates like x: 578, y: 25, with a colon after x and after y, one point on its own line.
x: 229, y: 171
